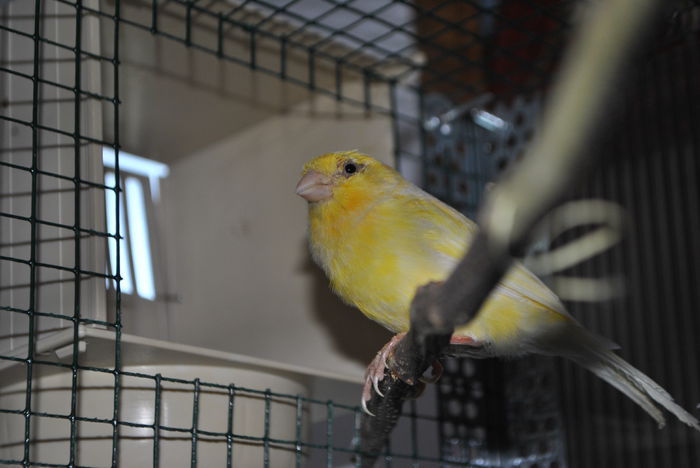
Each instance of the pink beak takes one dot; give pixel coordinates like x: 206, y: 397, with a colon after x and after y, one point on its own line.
x: 314, y: 187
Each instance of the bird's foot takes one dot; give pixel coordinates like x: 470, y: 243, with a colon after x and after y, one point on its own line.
x: 375, y: 373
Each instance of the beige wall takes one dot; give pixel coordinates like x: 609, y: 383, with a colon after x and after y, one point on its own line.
x: 237, y: 260
x: 233, y: 272
x: 232, y: 267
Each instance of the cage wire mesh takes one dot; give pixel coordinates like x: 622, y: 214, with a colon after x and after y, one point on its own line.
x: 651, y: 154
x: 481, y: 69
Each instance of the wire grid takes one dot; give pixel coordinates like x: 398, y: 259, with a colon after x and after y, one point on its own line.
x: 232, y: 32
x: 501, y: 412
x: 409, y: 60
x: 338, y: 41
x: 49, y: 138
x: 357, y: 36
x: 235, y: 439
x: 651, y: 169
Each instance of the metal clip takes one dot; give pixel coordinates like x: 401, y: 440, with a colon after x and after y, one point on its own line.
x: 474, y: 108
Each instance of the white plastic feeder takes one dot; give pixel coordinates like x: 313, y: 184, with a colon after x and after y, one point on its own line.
x: 253, y: 416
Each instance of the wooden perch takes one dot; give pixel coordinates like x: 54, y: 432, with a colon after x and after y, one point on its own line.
x: 576, y: 107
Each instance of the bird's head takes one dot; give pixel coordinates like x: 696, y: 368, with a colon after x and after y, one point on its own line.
x: 348, y: 177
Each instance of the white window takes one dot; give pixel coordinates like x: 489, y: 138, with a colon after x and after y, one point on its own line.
x: 140, y: 177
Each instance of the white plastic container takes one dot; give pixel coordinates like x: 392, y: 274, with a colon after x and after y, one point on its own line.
x: 254, y: 415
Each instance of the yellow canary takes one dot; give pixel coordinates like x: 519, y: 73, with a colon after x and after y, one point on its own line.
x: 378, y: 237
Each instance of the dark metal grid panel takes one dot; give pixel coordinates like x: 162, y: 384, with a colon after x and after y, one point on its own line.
x: 491, y: 411
x: 357, y: 39
x: 232, y: 27
x: 509, y: 48
x: 461, y: 157
x: 516, y: 57
x: 652, y: 171
x: 32, y: 313
x: 334, y: 451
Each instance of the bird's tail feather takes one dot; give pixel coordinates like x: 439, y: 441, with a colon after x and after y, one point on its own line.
x: 632, y: 382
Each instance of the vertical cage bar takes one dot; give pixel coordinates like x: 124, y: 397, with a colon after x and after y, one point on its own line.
x: 667, y: 225
x: 688, y: 136
x: 195, y: 423
x: 591, y: 388
x: 414, y: 433
x: 618, y: 260
x: 600, y: 392
x: 154, y: 16
x: 312, y: 69
x: 650, y: 240
x: 220, y: 35
x: 566, y: 379
x: 76, y: 229
x: 387, y: 453
x: 33, y: 235
x: 283, y: 58
x: 253, y: 50
x: 329, y: 434
x: 395, y: 131
x: 610, y: 265
x: 613, y: 266
x: 339, y: 80
x: 266, y: 436
x: 423, y: 136
x: 297, y: 432
x: 118, y: 291
x: 156, y: 423
x: 229, y: 425
x: 691, y: 166
x: 642, y: 191
x: 687, y: 193
x: 357, y: 442
x: 367, y: 90
x: 630, y: 188
x: 691, y: 62
x: 188, y: 24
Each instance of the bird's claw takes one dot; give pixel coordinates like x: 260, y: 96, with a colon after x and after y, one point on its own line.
x: 375, y: 384
x: 364, y: 407
x: 375, y: 374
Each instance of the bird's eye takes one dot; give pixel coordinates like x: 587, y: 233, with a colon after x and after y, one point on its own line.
x: 350, y: 168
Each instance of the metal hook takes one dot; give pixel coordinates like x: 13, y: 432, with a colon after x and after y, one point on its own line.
x: 478, y: 114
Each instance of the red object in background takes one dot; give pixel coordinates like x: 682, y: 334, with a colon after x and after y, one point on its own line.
x: 525, y: 45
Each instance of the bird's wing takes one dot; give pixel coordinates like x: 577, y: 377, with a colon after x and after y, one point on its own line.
x: 522, y: 282
x: 444, y: 230
x: 448, y: 233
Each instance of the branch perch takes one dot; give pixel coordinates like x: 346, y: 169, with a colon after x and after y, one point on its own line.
x: 603, y: 44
